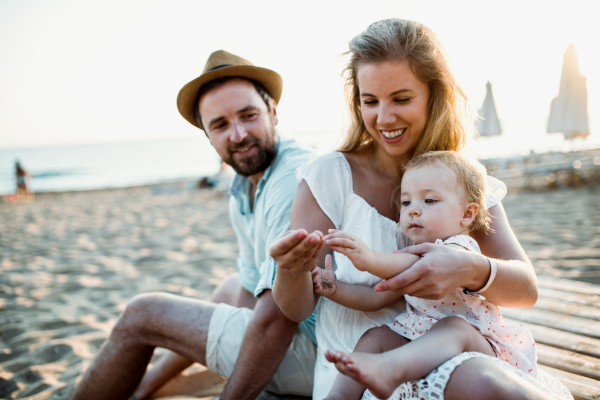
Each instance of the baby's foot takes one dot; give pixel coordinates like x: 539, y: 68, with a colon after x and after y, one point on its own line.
x: 370, y: 370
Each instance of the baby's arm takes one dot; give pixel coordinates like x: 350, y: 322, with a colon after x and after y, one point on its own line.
x: 356, y: 297
x: 383, y: 265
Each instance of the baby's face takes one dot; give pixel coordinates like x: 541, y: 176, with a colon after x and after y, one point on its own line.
x: 432, y: 205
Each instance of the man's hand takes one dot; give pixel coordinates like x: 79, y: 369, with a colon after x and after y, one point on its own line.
x: 297, y: 251
x: 324, y: 282
x: 352, y: 247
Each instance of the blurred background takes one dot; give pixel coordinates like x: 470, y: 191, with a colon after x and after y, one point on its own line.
x: 89, y: 88
x: 88, y: 102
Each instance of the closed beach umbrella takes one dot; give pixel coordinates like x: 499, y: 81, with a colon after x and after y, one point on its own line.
x: 568, y: 111
x: 489, y: 125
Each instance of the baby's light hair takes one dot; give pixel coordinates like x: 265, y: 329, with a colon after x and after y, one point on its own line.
x: 470, y: 174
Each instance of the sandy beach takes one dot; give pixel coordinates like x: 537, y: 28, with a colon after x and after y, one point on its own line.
x: 69, y: 262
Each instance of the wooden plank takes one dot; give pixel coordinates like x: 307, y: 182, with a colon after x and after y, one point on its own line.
x: 569, y: 361
x: 568, y: 285
x: 551, y: 319
x: 581, y: 388
x: 561, y: 339
x: 571, y: 297
x: 578, y: 310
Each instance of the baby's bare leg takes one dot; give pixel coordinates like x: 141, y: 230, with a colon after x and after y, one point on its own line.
x: 375, y: 340
x: 383, y: 373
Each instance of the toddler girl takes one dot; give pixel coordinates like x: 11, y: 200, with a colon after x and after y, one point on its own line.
x: 442, y: 199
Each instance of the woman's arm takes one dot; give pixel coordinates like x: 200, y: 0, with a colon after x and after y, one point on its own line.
x: 443, y: 269
x: 356, y: 297
x: 297, y: 254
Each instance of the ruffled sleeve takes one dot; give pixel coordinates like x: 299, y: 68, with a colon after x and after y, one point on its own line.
x: 464, y: 241
x: 496, y: 190
x: 330, y: 182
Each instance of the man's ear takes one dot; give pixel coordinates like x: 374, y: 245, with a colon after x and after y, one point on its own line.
x: 274, y: 112
x: 469, y: 215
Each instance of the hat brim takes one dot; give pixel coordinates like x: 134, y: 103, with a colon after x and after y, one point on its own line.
x: 271, y: 80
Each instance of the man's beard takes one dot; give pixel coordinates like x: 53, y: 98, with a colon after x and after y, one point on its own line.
x: 258, y: 162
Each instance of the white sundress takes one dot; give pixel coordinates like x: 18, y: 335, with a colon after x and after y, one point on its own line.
x: 339, y: 328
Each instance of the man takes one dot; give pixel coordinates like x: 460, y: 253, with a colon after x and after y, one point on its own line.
x: 235, y: 103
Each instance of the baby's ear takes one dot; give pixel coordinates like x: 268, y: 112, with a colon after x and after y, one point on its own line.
x: 469, y: 215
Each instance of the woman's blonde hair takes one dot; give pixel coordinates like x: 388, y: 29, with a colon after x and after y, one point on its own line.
x: 450, y: 117
x: 470, y: 175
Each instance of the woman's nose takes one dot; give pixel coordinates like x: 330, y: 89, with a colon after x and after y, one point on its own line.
x: 238, y: 133
x: 385, y: 116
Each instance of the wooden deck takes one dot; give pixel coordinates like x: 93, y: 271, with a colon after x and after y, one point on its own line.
x: 565, y: 323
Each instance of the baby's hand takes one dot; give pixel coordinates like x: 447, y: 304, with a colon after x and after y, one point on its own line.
x: 324, y: 282
x: 352, y: 247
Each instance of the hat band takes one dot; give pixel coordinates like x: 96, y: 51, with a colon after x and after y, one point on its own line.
x: 219, y: 67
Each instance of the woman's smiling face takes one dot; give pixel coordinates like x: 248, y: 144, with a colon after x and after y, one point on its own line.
x: 393, y: 105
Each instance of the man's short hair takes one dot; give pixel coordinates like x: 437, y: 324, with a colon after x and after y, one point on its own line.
x: 262, y: 91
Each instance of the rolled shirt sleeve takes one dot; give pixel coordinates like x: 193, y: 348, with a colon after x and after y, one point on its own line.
x: 278, y: 210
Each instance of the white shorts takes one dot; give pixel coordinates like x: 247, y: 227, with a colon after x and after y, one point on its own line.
x: 225, y: 333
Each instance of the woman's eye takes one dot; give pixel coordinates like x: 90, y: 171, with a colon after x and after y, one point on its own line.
x: 369, y: 102
x: 405, y: 100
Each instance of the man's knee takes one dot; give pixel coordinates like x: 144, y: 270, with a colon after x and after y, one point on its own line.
x: 139, y: 311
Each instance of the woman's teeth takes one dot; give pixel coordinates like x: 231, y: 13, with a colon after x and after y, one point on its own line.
x: 394, y: 134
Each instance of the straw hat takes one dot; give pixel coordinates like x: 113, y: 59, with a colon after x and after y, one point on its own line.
x: 221, y: 64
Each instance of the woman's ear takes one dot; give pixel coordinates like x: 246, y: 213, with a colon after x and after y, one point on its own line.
x: 469, y: 215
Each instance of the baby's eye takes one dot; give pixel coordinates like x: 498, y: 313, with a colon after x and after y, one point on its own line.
x: 430, y: 201
x: 405, y: 203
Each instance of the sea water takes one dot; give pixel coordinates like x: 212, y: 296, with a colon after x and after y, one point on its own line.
x: 109, y: 165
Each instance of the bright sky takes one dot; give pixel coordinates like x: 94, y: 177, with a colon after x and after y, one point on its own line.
x: 102, y: 71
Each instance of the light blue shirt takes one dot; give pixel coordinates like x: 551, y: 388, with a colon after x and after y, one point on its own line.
x: 270, y: 219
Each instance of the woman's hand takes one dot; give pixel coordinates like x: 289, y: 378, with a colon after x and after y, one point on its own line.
x: 324, y: 282
x: 297, y: 251
x: 440, y: 270
x: 352, y: 247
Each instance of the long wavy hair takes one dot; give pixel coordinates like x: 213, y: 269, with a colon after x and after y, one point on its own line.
x: 450, y: 115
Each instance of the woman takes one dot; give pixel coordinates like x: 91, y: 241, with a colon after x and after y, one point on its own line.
x: 403, y: 101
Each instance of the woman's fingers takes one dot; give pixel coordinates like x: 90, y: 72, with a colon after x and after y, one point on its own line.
x: 417, y: 249
x: 317, y: 249
x: 401, y: 281
x: 287, y: 242
x: 297, y: 246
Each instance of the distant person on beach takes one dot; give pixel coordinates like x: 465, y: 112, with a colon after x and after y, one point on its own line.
x: 22, y: 177
x: 235, y: 103
x: 219, y: 182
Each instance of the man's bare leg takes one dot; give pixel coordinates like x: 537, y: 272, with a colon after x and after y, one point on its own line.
x: 231, y: 292
x: 150, y: 320
x: 483, y: 379
x: 375, y: 340
x: 383, y: 373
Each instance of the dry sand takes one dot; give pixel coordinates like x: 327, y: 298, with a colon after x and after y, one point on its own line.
x: 69, y: 263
